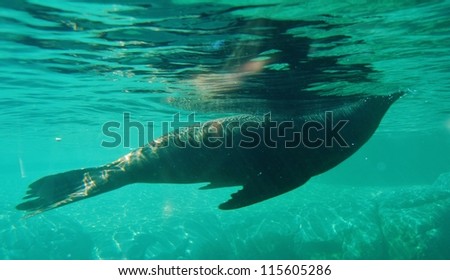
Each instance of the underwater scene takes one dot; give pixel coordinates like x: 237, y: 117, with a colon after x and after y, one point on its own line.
x: 84, y: 84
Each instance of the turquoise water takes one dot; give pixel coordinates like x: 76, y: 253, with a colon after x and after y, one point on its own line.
x: 68, y: 67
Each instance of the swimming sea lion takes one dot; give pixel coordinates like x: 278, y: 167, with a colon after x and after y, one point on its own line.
x: 268, y: 155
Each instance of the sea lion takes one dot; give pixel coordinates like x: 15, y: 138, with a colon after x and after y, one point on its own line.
x: 268, y: 155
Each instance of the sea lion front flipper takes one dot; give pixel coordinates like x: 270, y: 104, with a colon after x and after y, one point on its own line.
x: 214, y: 185
x: 260, y: 189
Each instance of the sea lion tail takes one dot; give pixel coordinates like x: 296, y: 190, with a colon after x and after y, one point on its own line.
x: 60, y: 189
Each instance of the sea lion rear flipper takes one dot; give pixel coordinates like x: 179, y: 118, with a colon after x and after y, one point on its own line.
x: 260, y: 189
x: 60, y: 189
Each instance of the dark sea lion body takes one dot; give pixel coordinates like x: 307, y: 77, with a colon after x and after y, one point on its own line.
x: 263, y: 170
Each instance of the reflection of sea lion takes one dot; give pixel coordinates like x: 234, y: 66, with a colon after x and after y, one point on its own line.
x: 265, y: 170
